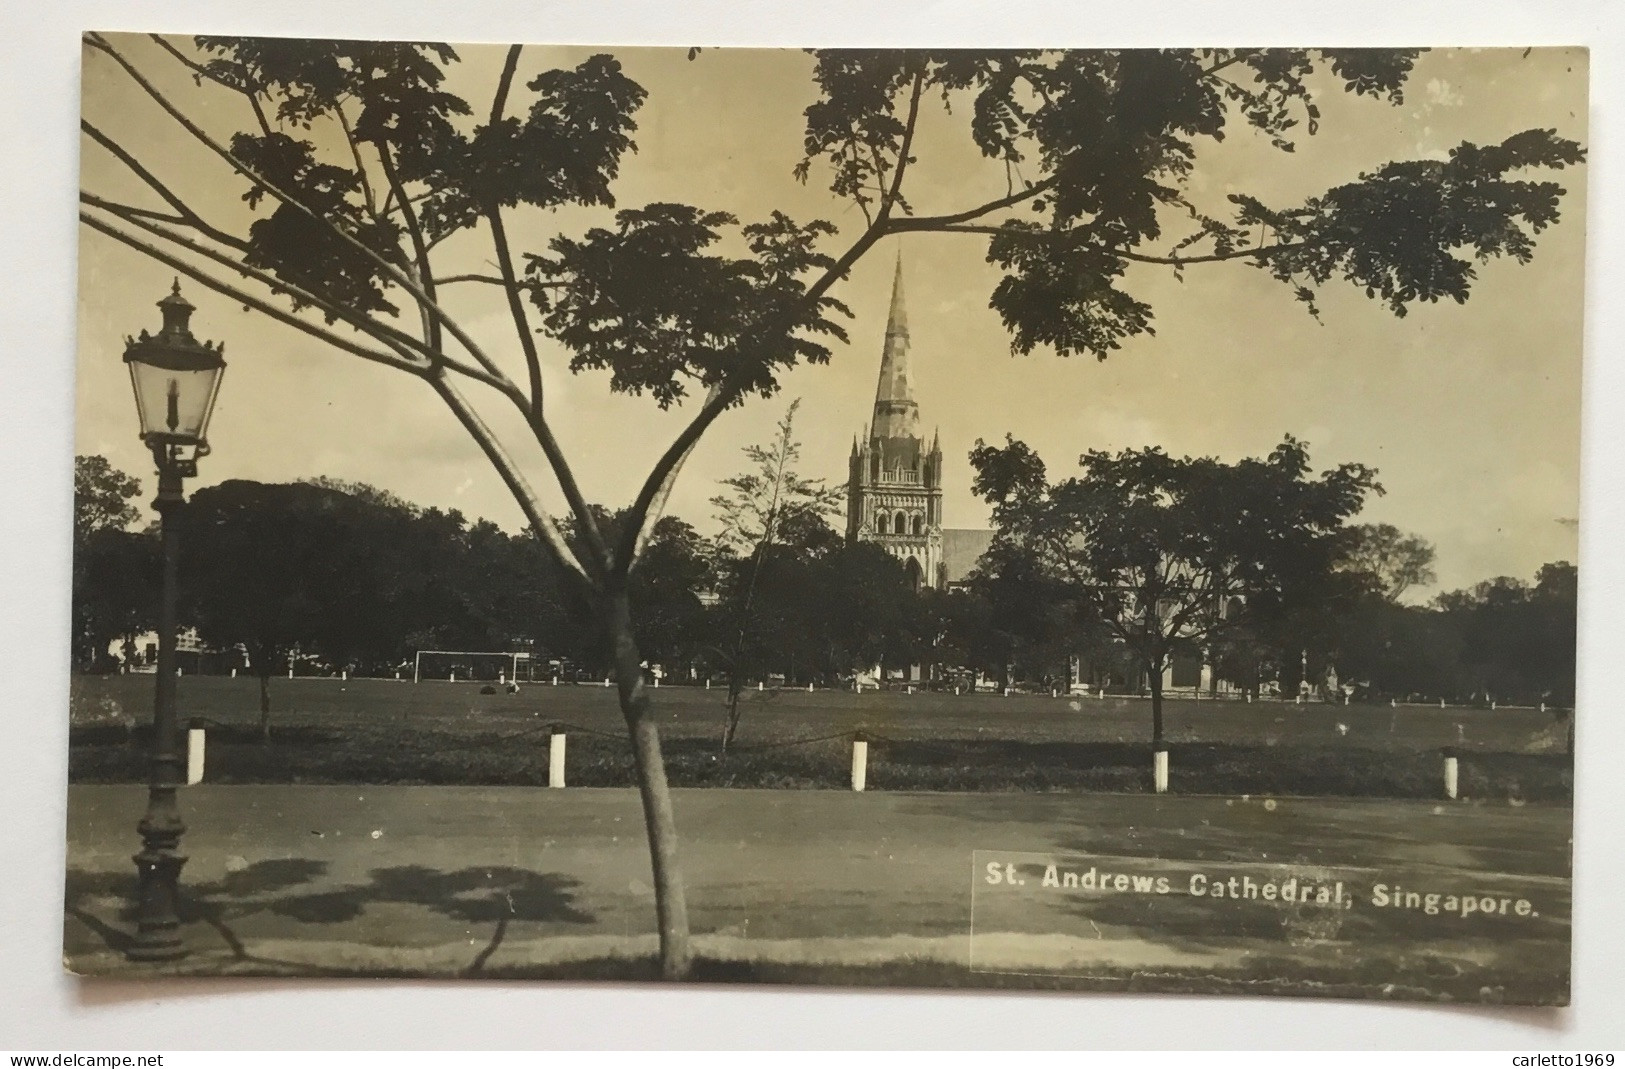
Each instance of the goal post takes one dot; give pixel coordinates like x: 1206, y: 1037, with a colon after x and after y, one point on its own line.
x: 470, y: 666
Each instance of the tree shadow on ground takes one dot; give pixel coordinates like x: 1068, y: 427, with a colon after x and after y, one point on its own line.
x: 496, y: 895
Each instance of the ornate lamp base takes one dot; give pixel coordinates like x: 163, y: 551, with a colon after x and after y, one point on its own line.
x: 158, y: 867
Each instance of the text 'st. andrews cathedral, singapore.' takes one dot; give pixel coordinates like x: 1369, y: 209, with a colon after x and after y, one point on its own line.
x: 894, y: 488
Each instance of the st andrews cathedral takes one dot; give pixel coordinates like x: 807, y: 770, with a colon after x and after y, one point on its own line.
x: 894, y: 485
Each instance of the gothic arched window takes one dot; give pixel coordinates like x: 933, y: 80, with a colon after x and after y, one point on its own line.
x: 880, y: 522
x: 919, y: 524
x: 902, y: 523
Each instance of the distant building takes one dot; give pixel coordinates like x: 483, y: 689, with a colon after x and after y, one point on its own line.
x: 894, y: 484
x: 139, y: 653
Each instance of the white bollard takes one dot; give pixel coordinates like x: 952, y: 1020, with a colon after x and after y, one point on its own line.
x: 1492, y: 705
x: 1159, y: 770
x: 809, y: 688
x: 234, y: 673
x: 606, y: 681
x: 1441, y: 703
x: 1101, y: 694
x: 1543, y: 707
x: 502, y: 679
x: 194, y: 754
x: 758, y: 685
x: 708, y: 683
x: 1007, y: 692
x: 345, y: 676
x: 1393, y: 703
x: 555, y: 758
x: 1450, y: 782
x: 1249, y: 697
x: 290, y: 671
x: 908, y: 690
x: 452, y: 675
x: 657, y: 682
x: 860, y: 761
x: 956, y: 691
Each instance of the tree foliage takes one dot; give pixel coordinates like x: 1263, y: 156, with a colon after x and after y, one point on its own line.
x: 115, y: 570
x: 101, y: 497
x: 1391, y: 560
x: 1168, y: 552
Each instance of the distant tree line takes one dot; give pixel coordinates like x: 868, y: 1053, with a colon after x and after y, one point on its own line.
x: 356, y: 579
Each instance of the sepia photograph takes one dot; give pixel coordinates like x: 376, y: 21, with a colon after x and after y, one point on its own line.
x: 1081, y: 520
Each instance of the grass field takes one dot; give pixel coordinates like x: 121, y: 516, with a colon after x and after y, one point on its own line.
x: 384, y: 731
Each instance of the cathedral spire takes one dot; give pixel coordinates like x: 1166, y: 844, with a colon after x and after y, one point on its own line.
x: 897, y: 320
x: 897, y: 414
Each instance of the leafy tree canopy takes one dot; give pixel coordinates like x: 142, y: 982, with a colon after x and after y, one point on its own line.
x: 1165, y: 550
x: 1390, y: 560
x: 102, y: 496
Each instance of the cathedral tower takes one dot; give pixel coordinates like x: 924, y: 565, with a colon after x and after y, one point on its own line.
x: 894, y: 489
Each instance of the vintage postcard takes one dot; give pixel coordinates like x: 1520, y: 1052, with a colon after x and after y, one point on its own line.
x: 1086, y: 520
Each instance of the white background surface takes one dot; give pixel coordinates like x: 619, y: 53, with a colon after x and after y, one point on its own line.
x: 41, y: 1008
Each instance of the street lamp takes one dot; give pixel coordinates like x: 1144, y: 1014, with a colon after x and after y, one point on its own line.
x: 176, y: 378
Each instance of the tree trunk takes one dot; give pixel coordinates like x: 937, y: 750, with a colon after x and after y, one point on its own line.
x: 1153, y: 678
x: 660, y: 821
x: 736, y: 684
x: 265, y: 707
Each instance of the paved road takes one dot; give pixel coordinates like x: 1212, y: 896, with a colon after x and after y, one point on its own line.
x: 445, y: 879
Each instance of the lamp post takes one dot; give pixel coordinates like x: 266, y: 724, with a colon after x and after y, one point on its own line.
x: 176, y: 378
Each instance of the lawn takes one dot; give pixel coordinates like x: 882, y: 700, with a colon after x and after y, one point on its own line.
x: 385, y: 731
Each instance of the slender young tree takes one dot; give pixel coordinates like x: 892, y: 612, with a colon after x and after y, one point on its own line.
x: 358, y: 166
x: 760, y: 508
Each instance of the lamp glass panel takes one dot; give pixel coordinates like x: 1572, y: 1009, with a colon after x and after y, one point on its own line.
x: 173, y: 403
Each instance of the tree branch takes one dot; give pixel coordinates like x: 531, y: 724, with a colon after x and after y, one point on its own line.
x: 131, y: 213
x: 540, y: 521
x: 499, y: 104
x: 533, y: 411
x: 657, y: 504
x: 379, y: 331
x: 203, y: 72
x: 908, y: 142
x: 430, y: 307
x: 420, y: 251
x: 398, y: 340
x: 722, y: 395
x: 188, y: 215
x: 1221, y: 65
x: 939, y: 222
x: 1255, y: 252
x: 355, y: 154
x: 516, y: 304
x: 492, y: 280
x: 250, y: 301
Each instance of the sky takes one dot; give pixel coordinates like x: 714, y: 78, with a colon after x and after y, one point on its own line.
x: 1470, y: 413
